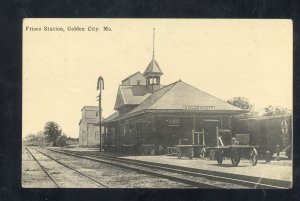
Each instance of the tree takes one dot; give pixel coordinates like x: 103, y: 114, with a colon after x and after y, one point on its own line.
x: 40, y: 138
x: 31, y: 137
x: 34, y: 139
x: 243, y: 103
x: 52, y: 131
x: 272, y: 111
x: 61, y: 141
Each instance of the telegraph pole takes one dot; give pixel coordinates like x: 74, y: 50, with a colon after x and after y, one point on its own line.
x: 100, y: 86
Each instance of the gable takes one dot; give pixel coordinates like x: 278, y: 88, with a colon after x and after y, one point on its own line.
x: 152, y: 99
x: 131, y: 95
x: 119, y: 100
x: 93, y: 108
x: 135, y: 79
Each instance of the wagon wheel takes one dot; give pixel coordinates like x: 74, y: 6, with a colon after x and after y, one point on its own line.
x: 253, y: 157
x: 202, y: 153
x: 219, y: 156
x: 235, y: 157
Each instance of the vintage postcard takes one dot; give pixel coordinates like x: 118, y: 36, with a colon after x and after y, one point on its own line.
x: 157, y: 103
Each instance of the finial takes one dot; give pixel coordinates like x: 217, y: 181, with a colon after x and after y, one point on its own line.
x: 153, y: 41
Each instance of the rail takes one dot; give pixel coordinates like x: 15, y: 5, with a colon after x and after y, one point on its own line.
x: 66, y: 167
x: 162, y: 172
x: 43, y: 168
x: 169, y: 168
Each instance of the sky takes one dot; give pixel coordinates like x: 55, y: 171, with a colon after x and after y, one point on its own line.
x: 225, y: 58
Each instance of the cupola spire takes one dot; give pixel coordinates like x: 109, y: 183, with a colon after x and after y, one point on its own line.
x: 153, y: 68
x: 153, y: 42
x: 153, y: 71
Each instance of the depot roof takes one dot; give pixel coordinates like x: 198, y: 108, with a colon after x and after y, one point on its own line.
x: 184, y: 97
x: 181, y: 97
x: 131, y: 95
x: 112, y: 117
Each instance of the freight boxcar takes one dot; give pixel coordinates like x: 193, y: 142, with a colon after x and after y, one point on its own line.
x: 271, y: 133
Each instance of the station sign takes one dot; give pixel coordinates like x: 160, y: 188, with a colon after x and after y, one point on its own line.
x: 195, y: 107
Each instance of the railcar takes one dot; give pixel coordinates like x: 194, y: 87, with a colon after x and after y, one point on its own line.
x: 272, y: 134
x: 250, y: 138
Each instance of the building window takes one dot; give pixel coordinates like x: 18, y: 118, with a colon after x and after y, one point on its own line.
x: 97, y: 135
x: 131, y: 127
x: 124, y: 130
x: 173, y: 122
x: 97, y: 113
x: 138, y: 82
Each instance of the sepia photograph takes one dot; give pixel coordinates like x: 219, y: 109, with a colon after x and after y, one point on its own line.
x: 157, y: 103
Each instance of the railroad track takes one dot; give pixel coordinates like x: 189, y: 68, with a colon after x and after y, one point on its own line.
x: 150, y: 170
x: 43, y: 168
x: 187, y: 175
x: 63, y: 164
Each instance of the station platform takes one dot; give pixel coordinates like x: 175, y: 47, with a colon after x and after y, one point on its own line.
x: 279, y: 171
x: 276, y: 170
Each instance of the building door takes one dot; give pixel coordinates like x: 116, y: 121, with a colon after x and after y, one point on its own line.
x: 139, y: 134
x: 173, y: 137
x: 210, y: 130
x: 263, y: 133
x: 112, y: 136
x: 84, y: 138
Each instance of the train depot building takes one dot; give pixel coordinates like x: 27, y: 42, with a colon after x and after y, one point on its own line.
x: 151, y: 117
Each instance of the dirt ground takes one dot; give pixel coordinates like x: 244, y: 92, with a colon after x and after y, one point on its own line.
x: 113, y: 177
